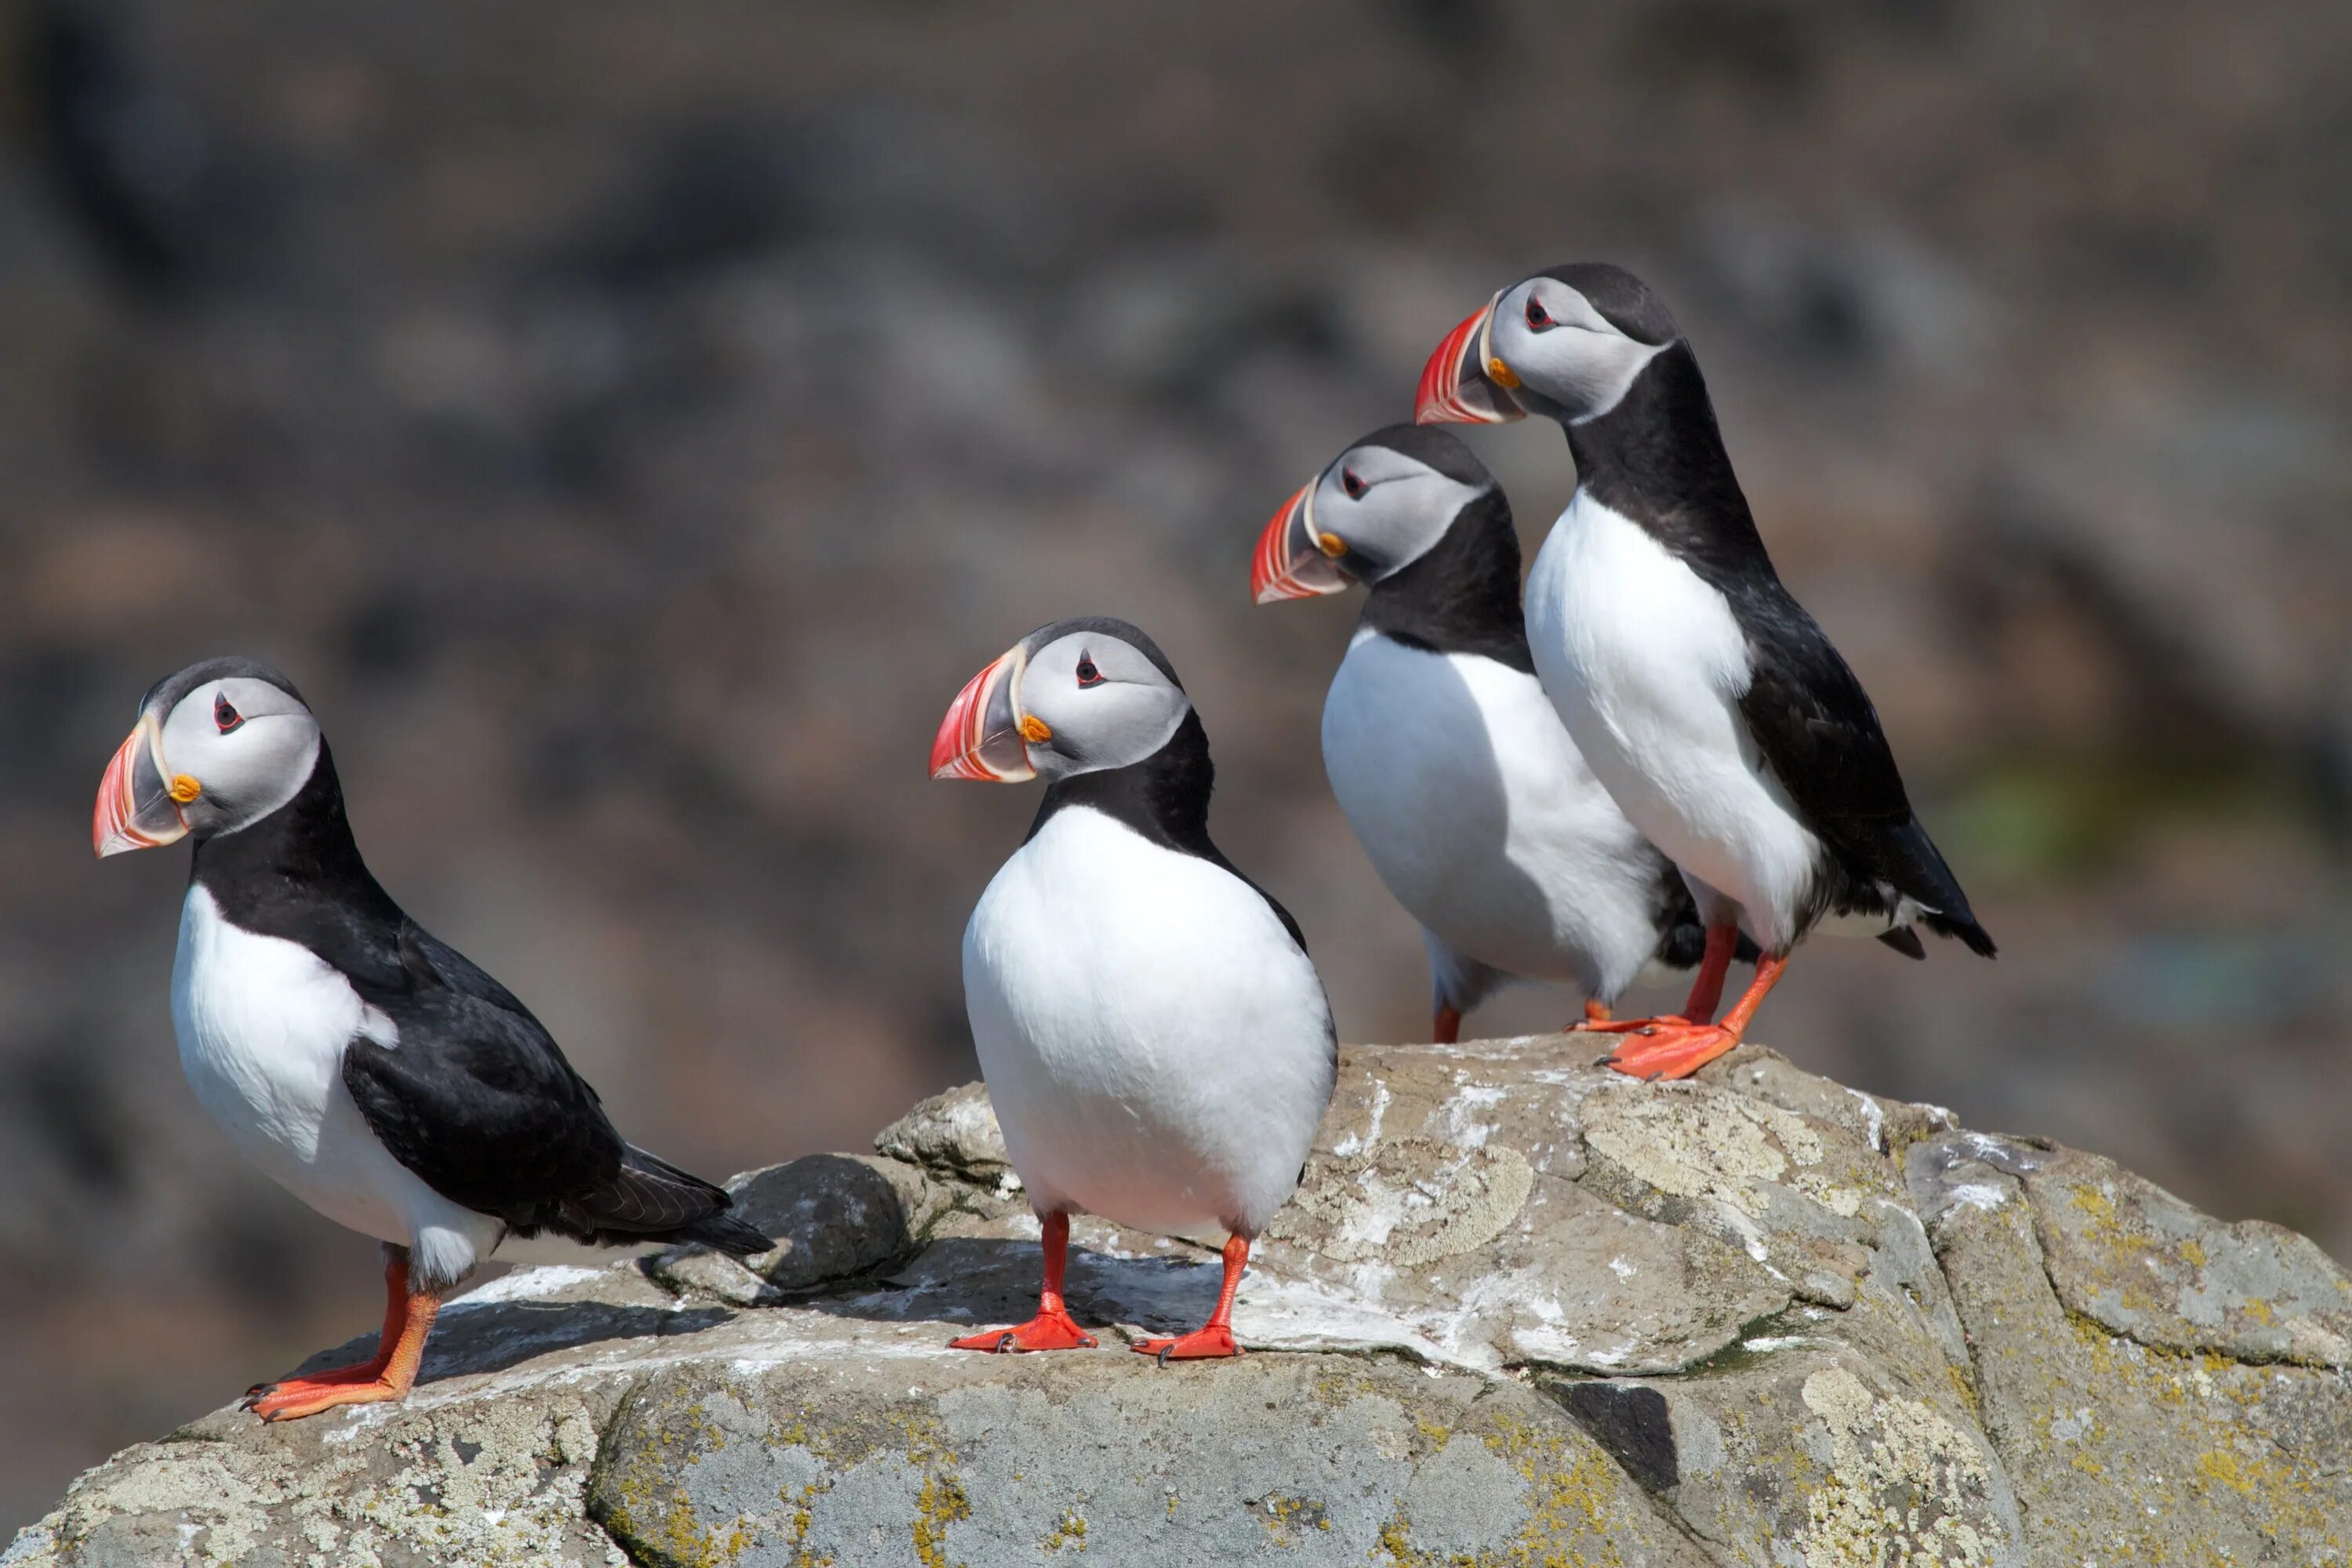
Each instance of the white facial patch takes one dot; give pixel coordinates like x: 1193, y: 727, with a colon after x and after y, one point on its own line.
x: 1388, y: 509
x: 248, y: 746
x: 1574, y: 357
x: 1106, y: 705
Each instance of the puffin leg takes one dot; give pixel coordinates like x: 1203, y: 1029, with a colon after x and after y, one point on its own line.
x: 1705, y: 992
x: 387, y: 1375
x: 1052, y: 1329
x: 395, y: 1317
x: 1447, y: 1028
x: 1674, y: 1047
x: 1707, y: 985
x: 1214, y: 1339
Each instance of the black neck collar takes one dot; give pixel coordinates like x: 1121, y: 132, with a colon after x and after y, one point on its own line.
x: 302, y: 851
x: 1658, y: 459
x: 1165, y: 798
x: 1463, y: 595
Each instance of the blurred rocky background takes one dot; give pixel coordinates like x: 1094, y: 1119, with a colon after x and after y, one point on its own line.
x: 630, y: 425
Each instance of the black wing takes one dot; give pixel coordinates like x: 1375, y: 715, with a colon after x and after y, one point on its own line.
x: 1820, y: 735
x: 478, y: 1101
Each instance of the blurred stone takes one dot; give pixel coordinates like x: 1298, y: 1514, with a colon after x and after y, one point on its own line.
x: 1536, y: 1312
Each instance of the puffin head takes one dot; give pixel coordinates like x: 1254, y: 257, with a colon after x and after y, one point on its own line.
x: 1567, y: 342
x: 1374, y: 509
x: 1072, y: 698
x: 217, y: 747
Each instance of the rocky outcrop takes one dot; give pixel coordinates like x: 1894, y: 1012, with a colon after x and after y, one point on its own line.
x: 1522, y: 1311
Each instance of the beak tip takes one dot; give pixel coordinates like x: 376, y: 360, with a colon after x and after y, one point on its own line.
x: 1455, y: 388
x: 977, y: 742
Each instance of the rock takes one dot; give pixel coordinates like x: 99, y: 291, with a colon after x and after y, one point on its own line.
x: 834, y: 1216
x: 1523, y: 1310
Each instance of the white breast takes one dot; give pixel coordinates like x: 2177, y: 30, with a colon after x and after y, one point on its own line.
x: 1645, y: 665
x: 1157, y: 1049
x: 262, y: 1024
x: 1482, y: 818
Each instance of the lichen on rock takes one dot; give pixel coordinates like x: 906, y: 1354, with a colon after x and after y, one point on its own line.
x: 1522, y: 1311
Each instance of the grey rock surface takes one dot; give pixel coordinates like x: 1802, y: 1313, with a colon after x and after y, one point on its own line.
x: 1523, y: 1310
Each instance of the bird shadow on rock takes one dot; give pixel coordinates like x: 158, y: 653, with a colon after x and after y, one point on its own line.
x: 471, y: 1342
x: 974, y: 1282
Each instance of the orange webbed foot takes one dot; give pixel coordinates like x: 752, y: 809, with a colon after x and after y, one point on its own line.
x: 296, y: 1397
x: 1670, y: 1048
x: 1212, y: 1342
x: 1046, y: 1332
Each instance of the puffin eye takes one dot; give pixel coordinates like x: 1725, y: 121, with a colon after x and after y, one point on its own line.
x: 1088, y: 674
x: 224, y: 714
x: 1538, y: 317
x: 1351, y: 484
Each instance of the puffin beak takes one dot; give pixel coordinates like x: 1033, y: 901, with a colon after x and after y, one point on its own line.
x: 1293, y: 561
x: 1464, y: 383
x: 138, y: 802
x: 984, y: 736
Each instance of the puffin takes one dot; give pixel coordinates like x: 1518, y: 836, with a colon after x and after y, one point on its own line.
x: 1464, y: 789
x: 1706, y: 702
x: 1157, y: 1043
x: 371, y: 1070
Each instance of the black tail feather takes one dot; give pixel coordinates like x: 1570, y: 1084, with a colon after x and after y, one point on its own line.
x: 1964, y: 930
x: 652, y: 1200
x: 1915, y: 866
x: 730, y: 1234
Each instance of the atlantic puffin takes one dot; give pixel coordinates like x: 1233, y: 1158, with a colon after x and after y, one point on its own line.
x: 369, y: 1069
x: 1155, y: 1042
x: 1466, y: 792
x: 1704, y: 697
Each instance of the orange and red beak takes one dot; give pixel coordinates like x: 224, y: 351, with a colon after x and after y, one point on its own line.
x: 137, y: 806
x: 982, y: 737
x: 1293, y: 561
x: 1464, y: 383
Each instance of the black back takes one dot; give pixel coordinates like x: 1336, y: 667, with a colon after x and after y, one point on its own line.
x: 476, y: 1099
x: 1164, y: 797
x: 1658, y: 459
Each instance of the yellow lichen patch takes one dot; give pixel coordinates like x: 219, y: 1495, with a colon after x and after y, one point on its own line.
x: 1395, y: 1541
x: 801, y: 1521
x: 2099, y: 1205
x: 1287, y: 1519
x: 939, y: 1504
x: 2172, y: 1508
x: 1902, y: 1486
x: 1069, y: 1532
x: 1576, y: 1508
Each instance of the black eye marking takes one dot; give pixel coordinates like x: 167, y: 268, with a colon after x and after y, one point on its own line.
x: 1539, y: 319
x: 1351, y: 484
x: 225, y: 715
x: 1088, y: 674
